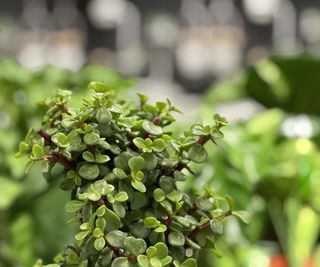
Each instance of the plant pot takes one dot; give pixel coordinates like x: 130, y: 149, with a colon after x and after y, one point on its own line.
x: 281, y: 261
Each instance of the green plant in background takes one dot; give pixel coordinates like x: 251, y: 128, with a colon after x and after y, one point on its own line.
x: 24, y: 198
x: 269, y: 163
x: 122, y: 168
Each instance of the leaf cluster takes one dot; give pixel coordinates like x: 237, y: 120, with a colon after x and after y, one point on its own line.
x: 122, y: 168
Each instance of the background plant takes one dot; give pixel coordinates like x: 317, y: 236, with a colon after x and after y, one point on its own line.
x: 122, y: 168
x: 269, y: 162
x: 24, y: 198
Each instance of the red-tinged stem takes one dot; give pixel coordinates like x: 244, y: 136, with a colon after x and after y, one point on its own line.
x: 204, y: 139
x: 192, y: 235
x: 45, y: 136
x: 64, y: 110
x: 62, y: 160
x: 156, y: 120
x: 193, y: 209
x: 167, y: 220
x: 101, y: 202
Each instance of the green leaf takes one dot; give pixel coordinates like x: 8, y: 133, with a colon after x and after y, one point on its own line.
x: 68, y: 122
x: 158, y: 195
x: 176, y: 239
x: 139, y: 200
x: 101, y: 211
x: 167, y: 205
x: 106, y: 258
x: 179, y: 176
x: 113, y: 221
x: 60, y: 139
x: 119, y: 209
x: 116, y: 238
x: 219, y: 119
x: 230, y: 202
x: 121, y: 161
x: 135, y: 246
x: 150, y: 161
x: 197, y: 153
x: 136, y: 163
x: 139, y: 230
x: 139, y: 175
x: 151, y: 222
x: 174, y: 196
x: 149, y: 127
x: 161, y: 250
x: 91, y: 138
x: 98, y: 87
x: 121, y: 262
x: 88, y: 156
x: 101, y: 223
x: 197, y: 130
x: 143, y: 261
x: 243, y: 215
x: 204, y: 203
x: 102, y: 159
x: 139, y: 185
x: 165, y: 261
x: 97, y: 232
x: 192, y: 244
x: 143, y: 98
x: 140, y: 143
x: 121, y: 196
x: 119, y: 173
x: 189, y: 263
x: 103, y: 115
x: 161, y: 228
x: 151, y: 252
x: 102, y: 187
x: 81, y: 235
x: 155, y: 262
x: 38, y: 151
x: 167, y: 184
x: 99, y: 243
x: 183, y: 221
x: 159, y: 145
x: 216, y: 227
x: 73, y: 206
x: 89, y: 171
x: 73, y: 138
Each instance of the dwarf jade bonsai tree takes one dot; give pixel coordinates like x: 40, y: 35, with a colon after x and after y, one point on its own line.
x: 122, y: 168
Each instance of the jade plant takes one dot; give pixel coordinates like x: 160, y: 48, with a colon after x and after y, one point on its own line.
x: 122, y: 168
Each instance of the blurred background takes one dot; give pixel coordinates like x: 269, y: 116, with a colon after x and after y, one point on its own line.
x: 185, y: 44
x: 255, y: 62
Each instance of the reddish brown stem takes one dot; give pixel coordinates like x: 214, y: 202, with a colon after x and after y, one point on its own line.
x: 193, y: 209
x: 145, y: 135
x: 204, y: 139
x: 45, y: 136
x: 92, y: 149
x: 62, y: 160
x: 64, y: 110
x: 156, y: 120
x: 192, y: 235
x: 101, y: 202
x: 167, y: 220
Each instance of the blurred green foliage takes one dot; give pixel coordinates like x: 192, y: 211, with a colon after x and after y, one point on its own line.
x: 269, y: 163
x: 274, y: 176
x: 25, y: 234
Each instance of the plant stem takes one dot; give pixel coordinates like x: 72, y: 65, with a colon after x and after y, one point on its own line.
x: 45, y: 136
x: 192, y: 235
x: 204, y: 139
x: 62, y: 160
